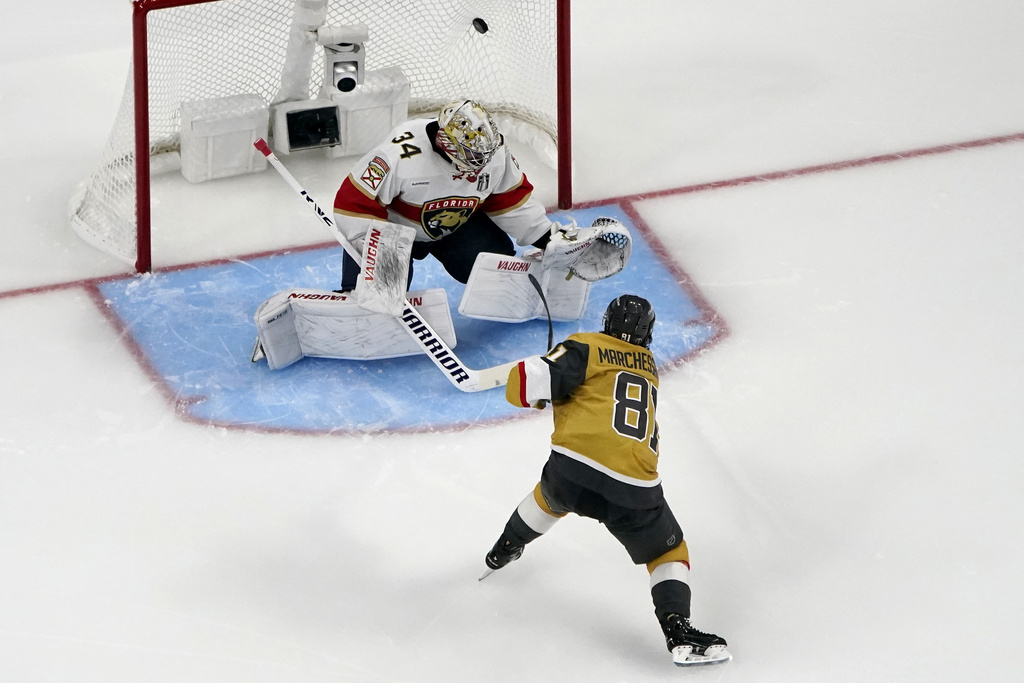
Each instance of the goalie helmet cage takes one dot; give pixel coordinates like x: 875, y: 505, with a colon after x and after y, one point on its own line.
x: 513, y: 57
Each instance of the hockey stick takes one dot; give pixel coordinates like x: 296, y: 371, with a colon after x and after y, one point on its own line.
x: 463, y: 377
x: 547, y: 311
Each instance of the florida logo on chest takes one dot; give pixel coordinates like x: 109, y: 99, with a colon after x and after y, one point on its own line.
x: 442, y: 217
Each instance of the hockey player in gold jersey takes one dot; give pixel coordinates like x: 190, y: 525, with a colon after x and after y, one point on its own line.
x: 603, y: 387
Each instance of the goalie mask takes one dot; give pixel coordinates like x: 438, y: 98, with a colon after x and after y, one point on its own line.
x: 468, y: 135
x: 630, y: 318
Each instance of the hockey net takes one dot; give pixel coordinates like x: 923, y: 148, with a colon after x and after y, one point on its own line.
x: 515, y: 62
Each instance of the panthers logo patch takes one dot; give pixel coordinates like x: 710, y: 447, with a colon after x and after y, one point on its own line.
x: 444, y: 216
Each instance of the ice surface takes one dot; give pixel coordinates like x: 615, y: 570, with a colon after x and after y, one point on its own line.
x: 846, y: 462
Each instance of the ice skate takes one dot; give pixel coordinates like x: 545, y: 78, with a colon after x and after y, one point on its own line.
x: 501, y: 554
x: 690, y: 647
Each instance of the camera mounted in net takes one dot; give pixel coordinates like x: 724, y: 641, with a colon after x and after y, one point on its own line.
x: 344, y: 55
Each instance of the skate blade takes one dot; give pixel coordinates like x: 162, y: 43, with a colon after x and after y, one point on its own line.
x: 716, y: 654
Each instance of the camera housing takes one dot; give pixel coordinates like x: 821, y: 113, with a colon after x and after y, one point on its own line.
x: 346, y: 76
x: 307, y: 124
x: 354, y: 109
x: 344, y: 56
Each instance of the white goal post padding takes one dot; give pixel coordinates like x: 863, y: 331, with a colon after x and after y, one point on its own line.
x: 189, y: 50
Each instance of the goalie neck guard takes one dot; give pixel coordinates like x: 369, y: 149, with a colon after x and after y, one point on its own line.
x: 630, y: 318
x: 468, y: 135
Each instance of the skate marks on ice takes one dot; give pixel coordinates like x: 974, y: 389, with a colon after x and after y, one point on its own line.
x: 193, y: 328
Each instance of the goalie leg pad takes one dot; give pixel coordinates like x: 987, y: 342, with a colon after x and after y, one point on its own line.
x: 499, y: 289
x: 324, y: 324
x: 567, y: 297
x: 384, y: 273
x: 275, y: 325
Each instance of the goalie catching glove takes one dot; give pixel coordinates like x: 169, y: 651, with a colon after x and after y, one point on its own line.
x: 593, y: 253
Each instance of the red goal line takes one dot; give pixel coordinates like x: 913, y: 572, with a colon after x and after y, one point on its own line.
x: 810, y: 170
x: 627, y: 200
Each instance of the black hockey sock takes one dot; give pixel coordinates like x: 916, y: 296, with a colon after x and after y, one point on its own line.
x: 518, y: 531
x: 671, y: 597
x: 349, y: 273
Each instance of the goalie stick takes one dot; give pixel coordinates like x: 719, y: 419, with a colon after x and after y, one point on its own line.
x: 463, y: 377
x: 547, y: 311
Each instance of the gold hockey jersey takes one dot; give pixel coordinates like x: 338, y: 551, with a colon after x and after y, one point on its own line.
x: 604, y: 393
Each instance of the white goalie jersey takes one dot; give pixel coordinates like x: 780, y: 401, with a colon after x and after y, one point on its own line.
x: 406, y: 180
x: 421, y: 186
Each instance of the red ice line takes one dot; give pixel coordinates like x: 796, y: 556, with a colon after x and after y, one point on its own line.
x: 811, y: 170
x: 627, y: 202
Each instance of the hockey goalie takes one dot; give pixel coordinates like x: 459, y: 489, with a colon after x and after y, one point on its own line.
x: 448, y: 188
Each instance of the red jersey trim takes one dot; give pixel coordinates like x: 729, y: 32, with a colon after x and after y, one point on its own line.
x: 522, y: 385
x: 508, y: 200
x: 406, y: 210
x: 352, y: 201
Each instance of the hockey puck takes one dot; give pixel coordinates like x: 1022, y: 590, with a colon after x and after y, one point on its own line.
x: 480, y: 25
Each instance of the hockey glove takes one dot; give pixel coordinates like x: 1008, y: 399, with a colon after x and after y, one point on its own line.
x: 593, y: 253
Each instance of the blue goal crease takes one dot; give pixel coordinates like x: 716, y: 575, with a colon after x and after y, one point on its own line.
x: 195, y: 327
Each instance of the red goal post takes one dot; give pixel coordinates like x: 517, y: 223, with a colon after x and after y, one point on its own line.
x: 516, y: 62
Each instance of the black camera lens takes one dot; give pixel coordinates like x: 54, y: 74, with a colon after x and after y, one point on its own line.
x: 345, y: 76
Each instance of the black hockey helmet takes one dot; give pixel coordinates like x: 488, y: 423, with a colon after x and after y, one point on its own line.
x: 630, y: 318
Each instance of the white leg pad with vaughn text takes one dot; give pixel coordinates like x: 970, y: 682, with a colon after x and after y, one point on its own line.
x: 567, y: 297
x: 296, y: 323
x: 384, y: 269
x: 499, y: 289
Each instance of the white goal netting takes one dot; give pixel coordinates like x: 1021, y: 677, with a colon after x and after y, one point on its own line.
x: 501, y: 52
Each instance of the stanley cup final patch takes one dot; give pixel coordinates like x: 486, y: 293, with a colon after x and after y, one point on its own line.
x: 375, y: 173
